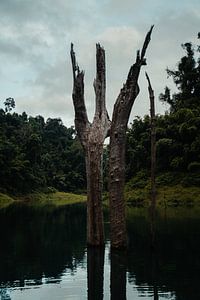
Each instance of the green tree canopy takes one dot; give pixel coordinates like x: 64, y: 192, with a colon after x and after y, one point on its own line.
x: 186, y: 78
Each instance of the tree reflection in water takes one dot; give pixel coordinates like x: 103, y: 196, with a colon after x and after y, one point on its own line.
x: 118, y: 274
x: 95, y: 272
x: 41, y: 245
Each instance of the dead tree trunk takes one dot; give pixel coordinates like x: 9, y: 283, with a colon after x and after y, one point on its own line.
x: 153, y: 163
x: 121, y: 113
x: 153, y: 142
x: 92, y: 137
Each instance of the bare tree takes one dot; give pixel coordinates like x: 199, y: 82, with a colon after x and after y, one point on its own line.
x: 153, y: 162
x: 121, y: 113
x: 153, y: 142
x: 92, y: 136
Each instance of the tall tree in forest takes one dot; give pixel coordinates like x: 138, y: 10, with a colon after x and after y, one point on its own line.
x: 121, y: 113
x: 9, y: 104
x: 187, y: 79
x: 92, y: 136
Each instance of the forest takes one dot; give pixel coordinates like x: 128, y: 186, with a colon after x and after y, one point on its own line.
x: 39, y: 155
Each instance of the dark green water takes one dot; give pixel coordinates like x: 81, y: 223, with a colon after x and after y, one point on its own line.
x: 43, y: 255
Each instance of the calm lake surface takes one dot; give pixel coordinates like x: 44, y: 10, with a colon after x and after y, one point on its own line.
x: 43, y: 255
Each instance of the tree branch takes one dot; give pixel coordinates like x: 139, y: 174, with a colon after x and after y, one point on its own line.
x: 151, y: 97
x: 81, y: 118
x: 131, y: 89
x: 100, y: 81
x: 101, y: 113
x: 145, y: 45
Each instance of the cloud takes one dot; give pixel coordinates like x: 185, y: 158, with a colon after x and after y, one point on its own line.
x: 35, y: 39
x: 123, y: 9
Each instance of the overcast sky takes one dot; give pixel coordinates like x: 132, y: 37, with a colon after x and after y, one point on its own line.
x: 35, y: 37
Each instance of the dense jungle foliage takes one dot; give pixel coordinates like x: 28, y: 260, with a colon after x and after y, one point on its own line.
x: 177, y: 132
x: 37, y: 154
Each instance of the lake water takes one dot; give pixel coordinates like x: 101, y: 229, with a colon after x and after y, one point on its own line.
x: 43, y: 256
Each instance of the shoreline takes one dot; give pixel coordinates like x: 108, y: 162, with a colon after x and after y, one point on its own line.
x: 167, y: 196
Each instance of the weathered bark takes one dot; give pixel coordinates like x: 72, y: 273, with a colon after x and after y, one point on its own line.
x: 94, y: 152
x: 92, y: 137
x: 121, y: 113
x: 153, y: 161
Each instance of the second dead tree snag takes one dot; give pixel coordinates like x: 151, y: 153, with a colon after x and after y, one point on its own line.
x: 92, y: 136
x: 153, y: 162
x: 121, y: 113
x: 153, y: 141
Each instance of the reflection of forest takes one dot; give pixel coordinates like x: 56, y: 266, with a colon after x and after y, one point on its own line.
x: 38, y: 243
x: 174, y: 265
x: 170, y: 269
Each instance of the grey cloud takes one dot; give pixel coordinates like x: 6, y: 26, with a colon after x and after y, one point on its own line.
x: 26, y: 11
x: 57, y: 107
x: 7, y: 48
x: 55, y: 79
x: 38, y: 33
x: 35, y: 31
x: 60, y: 14
x: 126, y: 6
